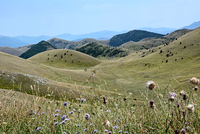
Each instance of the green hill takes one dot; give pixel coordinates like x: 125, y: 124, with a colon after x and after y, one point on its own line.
x: 148, y: 43
x: 63, y: 58
x: 97, y: 50
x: 134, y: 35
x: 38, y: 48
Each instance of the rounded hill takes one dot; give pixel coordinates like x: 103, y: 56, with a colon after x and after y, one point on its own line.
x: 63, y: 58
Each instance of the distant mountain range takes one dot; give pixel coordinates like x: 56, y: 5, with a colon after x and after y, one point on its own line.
x: 19, y: 41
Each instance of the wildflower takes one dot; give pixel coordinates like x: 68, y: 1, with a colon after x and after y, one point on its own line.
x: 78, y: 125
x: 178, y: 105
x: 43, y: 112
x: 182, y: 93
x: 89, y: 77
x: 63, y: 117
x: 183, y: 112
x: 85, y: 129
x: 104, y: 100
x: 95, y: 131
x: 126, y: 132
x: 64, y: 133
x: 120, y: 131
x: 194, y: 80
x: 106, y: 130
x: 91, y: 124
x: 63, y: 122
x: 115, y: 127
x: 82, y: 100
x: 94, y: 71
x: 56, y: 123
x: 66, y: 119
x: 71, y: 112
x: 74, y: 110
x: 106, y: 122
x: 65, y: 104
x: 110, y: 132
x: 176, y: 131
x: 196, y: 88
x: 108, y: 111
x: 183, y: 131
x: 172, y: 96
x: 150, y: 85
x: 87, y: 116
x: 38, y: 128
x: 115, y: 90
x: 38, y: 114
x: 57, y: 110
x: 190, y: 107
x: 55, y: 115
x: 152, y: 105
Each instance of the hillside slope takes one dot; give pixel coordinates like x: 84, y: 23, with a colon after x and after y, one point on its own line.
x: 64, y: 58
x: 38, y: 48
x: 12, y: 51
x: 97, y: 50
x: 148, y: 43
x: 134, y: 35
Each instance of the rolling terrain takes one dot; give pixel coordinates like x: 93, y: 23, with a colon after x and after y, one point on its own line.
x: 170, y: 64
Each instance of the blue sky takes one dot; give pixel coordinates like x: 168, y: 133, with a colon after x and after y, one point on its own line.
x: 53, y: 17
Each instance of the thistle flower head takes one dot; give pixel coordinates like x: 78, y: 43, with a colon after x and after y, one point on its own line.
x: 190, y: 107
x: 172, y: 96
x: 105, y: 101
x: 183, y: 131
x: 87, y: 116
x: 106, y: 123
x: 152, y: 105
x: 65, y: 104
x: 63, y: 117
x: 194, y: 80
x: 196, y: 88
x: 182, y: 93
x: 82, y: 100
x: 38, y: 128
x: 150, y: 85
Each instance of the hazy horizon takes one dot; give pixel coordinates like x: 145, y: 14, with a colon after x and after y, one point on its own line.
x: 54, y: 17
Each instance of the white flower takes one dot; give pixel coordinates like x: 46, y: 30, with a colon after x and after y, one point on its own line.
x: 194, y: 80
x: 190, y: 107
x: 182, y: 93
x: 150, y: 85
x: 172, y: 96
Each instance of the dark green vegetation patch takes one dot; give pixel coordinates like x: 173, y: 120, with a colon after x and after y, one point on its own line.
x: 97, y: 50
x: 38, y: 48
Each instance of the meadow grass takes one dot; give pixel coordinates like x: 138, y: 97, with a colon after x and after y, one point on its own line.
x: 156, y: 112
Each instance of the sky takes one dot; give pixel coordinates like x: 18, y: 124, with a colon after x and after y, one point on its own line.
x: 54, y: 17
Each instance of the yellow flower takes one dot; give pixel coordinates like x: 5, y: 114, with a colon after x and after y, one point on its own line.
x: 115, y: 90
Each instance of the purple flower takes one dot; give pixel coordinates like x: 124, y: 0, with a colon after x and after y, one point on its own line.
x: 120, y: 131
x: 106, y: 130
x: 38, y: 114
x: 176, y: 131
x: 115, y: 127
x: 151, y: 102
x: 82, y: 100
x: 178, y: 105
x: 56, y: 115
x: 31, y: 110
x: 38, y: 128
x: 183, y: 112
x: 186, y: 123
x: 87, y: 116
x: 57, y: 110
x: 56, y: 123
x: 91, y: 124
x: 74, y: 110
x: 64, y: 133
x: 110, y: 132
x: 78, y: 125
x: 108, y: 111
x: 95, y: 131
x: 63, y: 122
x: 66, y: 103
x: 71, y: 112
x: 66, y: 119
x: 63, y: 117
x: 183, y: 131
x: 43, y: 112
x: 85, y: 129
x: 126, y: 132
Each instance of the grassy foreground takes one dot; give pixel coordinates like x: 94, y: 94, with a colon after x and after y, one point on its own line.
x: 158, y: 112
